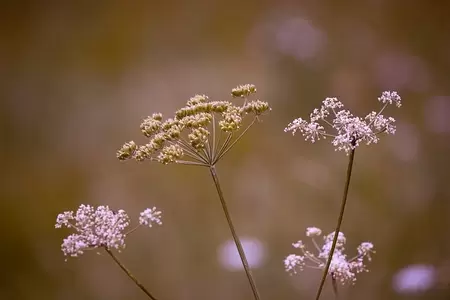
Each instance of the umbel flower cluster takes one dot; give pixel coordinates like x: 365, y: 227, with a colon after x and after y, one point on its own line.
x: 191, y: 132
x: 341, y: 269
x: 349, y: 130
x: 100, y: 227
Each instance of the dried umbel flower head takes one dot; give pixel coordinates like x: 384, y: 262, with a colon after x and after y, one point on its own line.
x: 349, y: 131
x: 100, y: 227
x: 243, y: 90
x: 342, y: 269
x: 194, y: 134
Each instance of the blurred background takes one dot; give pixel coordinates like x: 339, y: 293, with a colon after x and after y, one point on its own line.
x: 76, y: 79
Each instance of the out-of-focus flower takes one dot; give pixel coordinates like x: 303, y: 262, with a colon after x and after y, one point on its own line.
x: 414, y: 279
x: 298, y: 38
x: 436, y: 112
x: 349, y: 130
x: 342, y: 269
x: 99, y: 227
x: 229, y: 256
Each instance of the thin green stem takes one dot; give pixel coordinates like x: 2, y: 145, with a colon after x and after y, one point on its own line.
x: 117, y: 261
x: 339, y: 222
x: 234, y: 234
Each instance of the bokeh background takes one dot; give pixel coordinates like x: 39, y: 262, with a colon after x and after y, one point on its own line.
x: 76, y: 79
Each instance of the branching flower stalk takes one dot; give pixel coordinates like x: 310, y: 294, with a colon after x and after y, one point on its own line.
x: 129, y: 274
x: 103, y: 228
x: 350, y: 132
x: 338, y: 227
x: 200, y: 134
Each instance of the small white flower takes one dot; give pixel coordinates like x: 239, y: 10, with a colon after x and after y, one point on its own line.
x: 313, y: 231
x: 298, y: 244
x: 365, y: 249
x: 293, y: 262
x: 311, y: 131
x: 344, y: 270
x: 390, y: 97
x: 332, y: 103
x: 150, y: 216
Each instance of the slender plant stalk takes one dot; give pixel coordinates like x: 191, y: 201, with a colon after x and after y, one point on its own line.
x: 129, y: 274
x: 339, y: 222
x: 234, y: 234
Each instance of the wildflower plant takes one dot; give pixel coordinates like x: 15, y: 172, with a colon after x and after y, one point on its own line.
x: 105, y: 228
x: 347, y: 133
x: 341, y: 269
x: 200, y: 134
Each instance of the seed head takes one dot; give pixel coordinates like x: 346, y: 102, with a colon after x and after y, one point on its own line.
x: 243, y: 90
x: 189, y: 132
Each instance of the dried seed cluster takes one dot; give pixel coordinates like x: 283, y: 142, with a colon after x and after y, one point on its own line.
x: 189, y: 131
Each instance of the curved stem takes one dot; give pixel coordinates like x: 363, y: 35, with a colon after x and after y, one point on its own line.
x: 117, y: 261
x: 132, y: 230
x: 339, y: 222
x: 234, y: 234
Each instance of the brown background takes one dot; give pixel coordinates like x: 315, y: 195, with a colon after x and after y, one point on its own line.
x: 77, y: 78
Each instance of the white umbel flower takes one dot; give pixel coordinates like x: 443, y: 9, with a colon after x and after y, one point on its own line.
x: 99, y: 227
x: 150, y: 216
x: 342, y: 269
x: 347, y: 131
